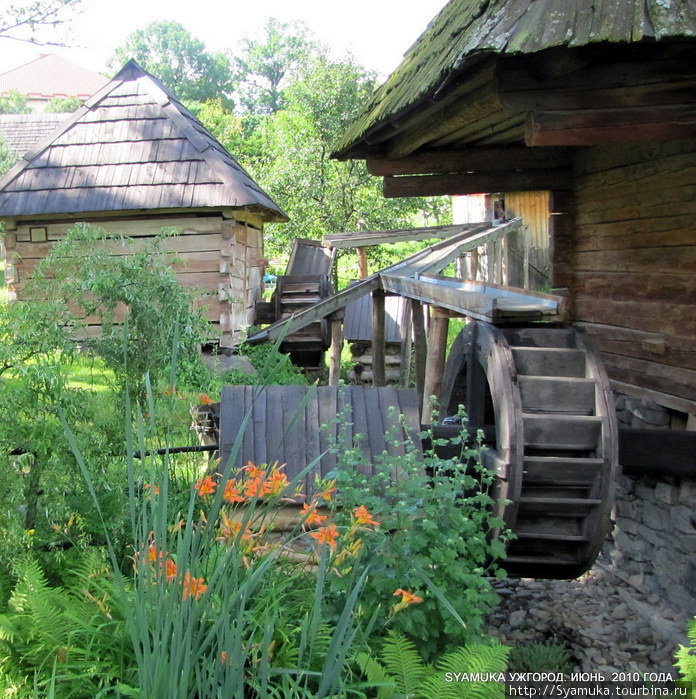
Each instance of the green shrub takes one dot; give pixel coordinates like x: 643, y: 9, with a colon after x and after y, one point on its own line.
x: 435, y: 542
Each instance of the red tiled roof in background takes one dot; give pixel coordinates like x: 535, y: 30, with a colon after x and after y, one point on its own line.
x: 51, y: 76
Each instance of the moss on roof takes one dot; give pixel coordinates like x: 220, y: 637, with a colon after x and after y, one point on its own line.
x: 465, y: 29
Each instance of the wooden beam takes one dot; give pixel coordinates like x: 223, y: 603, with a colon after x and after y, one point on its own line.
x: 378, y: 339
x: 463, y: 160
x: 476, y: 183
x: 360, y: 239
x: 420, y: 345
x: 482, y: 301
x: 435, y: 364
x: 604, y: 126
x: 362, y: 263
x: 336, y: 345
x: 657, y: 452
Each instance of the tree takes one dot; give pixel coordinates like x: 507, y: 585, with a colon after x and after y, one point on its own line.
x: 179, y: 60
x: 321, y: 195
x: 265, y: 67
x: 27, y: 19
x: 14, y: 103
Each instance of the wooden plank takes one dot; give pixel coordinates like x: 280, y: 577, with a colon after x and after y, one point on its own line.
x: 376, y: 404
x: 577, y: 433
x: 486, y: 158
x: 367, y: 238
x: 473, y: 183
x: 553, y: 394
x: 484, y: 302
x: 327, y: 398
x: 312, y: 442
x: 259, y: 426
x: 550, y: 361
x: 596, y: 127
x: 361, y: 427
x: 378, y: 339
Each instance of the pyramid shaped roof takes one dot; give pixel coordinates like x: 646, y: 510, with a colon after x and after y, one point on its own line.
x: 131, y: 147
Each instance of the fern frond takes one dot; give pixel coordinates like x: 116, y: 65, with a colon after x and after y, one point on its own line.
x: 474, y: 658
x: 403, y: 663
x: 376, y: 674
x: 686, y: 659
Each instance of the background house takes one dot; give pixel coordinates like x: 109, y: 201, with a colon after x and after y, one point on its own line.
x: 49, y: 77
x: 133, y: 160
x: 595, y: 105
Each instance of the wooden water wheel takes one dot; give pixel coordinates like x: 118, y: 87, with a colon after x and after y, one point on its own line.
x: 543, y: 389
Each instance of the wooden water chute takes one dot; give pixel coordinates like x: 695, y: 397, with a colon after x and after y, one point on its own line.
x: 544, y: 389
x: 305, y: 283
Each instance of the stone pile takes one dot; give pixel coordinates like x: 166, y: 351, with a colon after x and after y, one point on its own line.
x: 606, y: 623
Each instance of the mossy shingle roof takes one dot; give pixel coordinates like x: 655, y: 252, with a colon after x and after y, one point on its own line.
x: 467, y: 29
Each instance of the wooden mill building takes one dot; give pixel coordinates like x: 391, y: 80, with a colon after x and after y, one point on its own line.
x: 594, y: 103
x: 134, y: 160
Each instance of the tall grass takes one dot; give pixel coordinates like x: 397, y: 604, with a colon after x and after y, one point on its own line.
x: 206, y: 614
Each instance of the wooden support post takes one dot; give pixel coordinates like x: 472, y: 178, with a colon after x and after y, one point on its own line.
x: 336, y: 320
x: 476, y: 385
x: 362, y: 263
x: 406, y: 346
x: 526, y: 243
x: 435, y: 365
x: 420, y: 345
x: 378, y: 340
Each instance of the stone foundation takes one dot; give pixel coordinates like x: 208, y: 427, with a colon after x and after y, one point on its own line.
x: 653, y: 542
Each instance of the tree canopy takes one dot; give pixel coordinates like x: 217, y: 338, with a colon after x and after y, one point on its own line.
x: 179, y: 60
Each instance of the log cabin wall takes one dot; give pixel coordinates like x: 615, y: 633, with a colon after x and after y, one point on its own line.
x: 220, y: 259
x: 633, y: 263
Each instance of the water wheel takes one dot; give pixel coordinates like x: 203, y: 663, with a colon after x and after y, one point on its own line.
x: 542, y: 390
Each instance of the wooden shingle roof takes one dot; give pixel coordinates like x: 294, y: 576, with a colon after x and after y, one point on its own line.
x: 23, y: 131
x: 131, y: 146
x: 467, y: 31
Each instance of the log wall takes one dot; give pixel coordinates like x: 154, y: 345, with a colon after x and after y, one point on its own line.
x: 633, y: 265
x: 221, y: 259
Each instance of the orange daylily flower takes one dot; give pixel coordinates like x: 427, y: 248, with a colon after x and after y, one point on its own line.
x: 253, y: 471
x: 194, y: 587
x: 312, y: 516
x: 205, y: 399
x: 328, y: 492
x: 205, y: 486
x: 275, y: 484
x: 170, y: 570
x: 363, y: 517
x: 406, y: 598
x: 232, y: 493
x: 326, y: 535
x: 253, y: 487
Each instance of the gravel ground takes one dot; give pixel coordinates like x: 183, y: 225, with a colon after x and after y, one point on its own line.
x: 607, y: 624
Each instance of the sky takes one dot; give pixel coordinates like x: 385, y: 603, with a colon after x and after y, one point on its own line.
x: 376, y: 32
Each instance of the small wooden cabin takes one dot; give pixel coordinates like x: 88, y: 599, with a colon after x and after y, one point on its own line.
x: 593, y: 103
x: 134, y: 160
